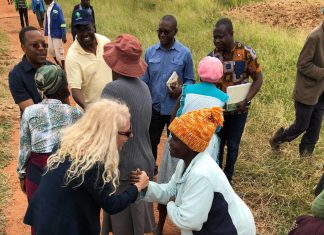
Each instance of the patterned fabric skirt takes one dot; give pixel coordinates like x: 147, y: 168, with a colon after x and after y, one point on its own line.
x: 35, y: 169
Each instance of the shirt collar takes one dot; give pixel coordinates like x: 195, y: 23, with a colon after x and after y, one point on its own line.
x: 81, y: 50
x: 220, y: 52
x: 175, y: 46
x: 52, y: 4
x: 26, y: 65
x: 51, y: 101
x: 187, y: 171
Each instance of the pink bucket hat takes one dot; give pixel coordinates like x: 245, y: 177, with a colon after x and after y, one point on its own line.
x: 123, y: 56
x: 210, y: 69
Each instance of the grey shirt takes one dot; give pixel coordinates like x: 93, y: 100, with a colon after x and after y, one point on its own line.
x: 137, y: 152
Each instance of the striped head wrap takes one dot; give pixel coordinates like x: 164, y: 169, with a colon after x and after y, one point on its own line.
x: 196, y: 128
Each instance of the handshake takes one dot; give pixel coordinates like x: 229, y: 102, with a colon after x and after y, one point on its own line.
x: 139, y: 179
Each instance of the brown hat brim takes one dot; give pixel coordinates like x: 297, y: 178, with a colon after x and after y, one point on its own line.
x: 134, y: 69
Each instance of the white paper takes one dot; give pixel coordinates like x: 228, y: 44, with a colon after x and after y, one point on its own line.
x: 237, y: 94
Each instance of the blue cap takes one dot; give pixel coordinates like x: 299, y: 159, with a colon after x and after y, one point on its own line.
x: 81, y: 17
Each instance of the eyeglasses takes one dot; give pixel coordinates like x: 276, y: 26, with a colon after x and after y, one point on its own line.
x: 128, y: 133
x: 166, y: 32
x: 37, y: 45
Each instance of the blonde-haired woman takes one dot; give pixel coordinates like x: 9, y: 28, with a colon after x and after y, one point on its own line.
x: 83, y: 174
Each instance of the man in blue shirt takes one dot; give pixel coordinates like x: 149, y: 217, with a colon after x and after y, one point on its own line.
x: 163, y: 59
x: 21, y: 77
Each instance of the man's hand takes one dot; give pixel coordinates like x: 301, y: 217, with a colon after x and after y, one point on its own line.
x: 135, y: 176
x: 175, y: 92
x: 23, y: 185
x: 242, y: 106
x: 64, y: 40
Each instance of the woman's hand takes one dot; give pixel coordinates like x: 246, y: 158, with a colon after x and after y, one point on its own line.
x: 143, y: 180
x: 23, y: 185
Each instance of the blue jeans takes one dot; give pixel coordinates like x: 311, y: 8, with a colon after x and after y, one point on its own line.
x: 230, y: 135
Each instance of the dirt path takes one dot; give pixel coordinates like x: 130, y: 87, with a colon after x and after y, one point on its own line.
x: 15, y: 210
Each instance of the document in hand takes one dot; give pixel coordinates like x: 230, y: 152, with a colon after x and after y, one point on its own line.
x: 173, y: 81
x: 236, y: 94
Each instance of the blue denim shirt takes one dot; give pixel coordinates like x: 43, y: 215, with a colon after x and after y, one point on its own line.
x: 161, y: 64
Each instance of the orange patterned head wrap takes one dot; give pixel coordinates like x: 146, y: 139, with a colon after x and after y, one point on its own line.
x: 196, y: 128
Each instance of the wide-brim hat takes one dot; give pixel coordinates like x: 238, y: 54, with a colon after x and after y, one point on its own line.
x: 123, y: 56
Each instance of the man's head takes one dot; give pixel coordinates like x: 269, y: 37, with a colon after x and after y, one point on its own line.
x: 167, y: 30
x: 48, y: 1
x: 85, y: 3
x: 223, y: 34
x: 34, y: 46
x: 82, y: 23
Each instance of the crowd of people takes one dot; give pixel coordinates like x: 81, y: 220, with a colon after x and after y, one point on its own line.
x: 102, y: 153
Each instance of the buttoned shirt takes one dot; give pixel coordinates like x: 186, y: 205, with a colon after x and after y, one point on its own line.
x: 161, y: 64
x: 239, y: 65
x: 87, y: 71
x: 40, y: 128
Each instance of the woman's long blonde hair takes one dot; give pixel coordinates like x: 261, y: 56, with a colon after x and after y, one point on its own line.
x: 91, y: 140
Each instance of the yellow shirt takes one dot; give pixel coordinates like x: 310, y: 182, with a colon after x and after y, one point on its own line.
x: 87, y: 71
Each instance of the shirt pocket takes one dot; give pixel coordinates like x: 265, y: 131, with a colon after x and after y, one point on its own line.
x: 155, y: 64
x: 177, y: 65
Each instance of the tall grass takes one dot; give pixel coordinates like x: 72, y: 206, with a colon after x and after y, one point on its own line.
x: 277, y: 188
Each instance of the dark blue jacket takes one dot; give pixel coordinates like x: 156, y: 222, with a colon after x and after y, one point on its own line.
x: 57, y: 209
x: 58, y: 26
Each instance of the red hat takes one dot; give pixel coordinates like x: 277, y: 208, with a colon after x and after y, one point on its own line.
x: 123, y: 56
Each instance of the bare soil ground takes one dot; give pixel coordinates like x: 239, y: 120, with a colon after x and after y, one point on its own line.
x: 301, y: 14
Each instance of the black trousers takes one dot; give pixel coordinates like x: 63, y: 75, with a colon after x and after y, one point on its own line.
x: 158, y: 122
x: 23, y: 13
x: 308, y: 119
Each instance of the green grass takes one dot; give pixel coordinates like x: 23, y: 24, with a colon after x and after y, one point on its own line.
x: 5, y: 131
x: 277, y: 188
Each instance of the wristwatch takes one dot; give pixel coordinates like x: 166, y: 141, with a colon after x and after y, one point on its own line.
x: 247, y: 102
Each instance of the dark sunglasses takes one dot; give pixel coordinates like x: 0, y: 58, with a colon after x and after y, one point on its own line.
x: 166, y: 32
x: 37, y: 45
x: 128, y: 133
